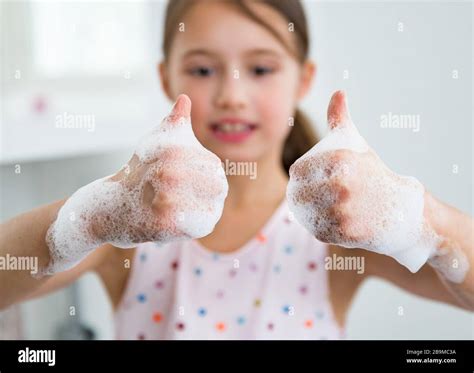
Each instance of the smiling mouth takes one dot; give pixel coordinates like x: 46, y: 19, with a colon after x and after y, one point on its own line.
x: 232, y: 128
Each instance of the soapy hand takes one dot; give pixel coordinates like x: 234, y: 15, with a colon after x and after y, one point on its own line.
x: 343, y: 193
x: 171, y: 189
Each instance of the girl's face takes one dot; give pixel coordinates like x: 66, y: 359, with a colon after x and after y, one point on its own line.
x: 244, y: 85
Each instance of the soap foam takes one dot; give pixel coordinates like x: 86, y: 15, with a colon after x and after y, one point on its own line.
x: 138, y: 206
x: 451, y: 262
x: 387, y: 216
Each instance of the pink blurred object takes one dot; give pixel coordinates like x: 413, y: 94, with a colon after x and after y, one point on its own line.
x: 40, y: 104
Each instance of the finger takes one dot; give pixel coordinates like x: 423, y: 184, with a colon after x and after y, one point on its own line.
x: 182, y: 182
x: 301, y: 168
x: 188, y: 183
x: 338, y: 112
x: 323, y: 194
x: 205, y: 187
x: 181, y: 109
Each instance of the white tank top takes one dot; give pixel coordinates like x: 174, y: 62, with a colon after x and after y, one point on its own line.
x: 274, y: 287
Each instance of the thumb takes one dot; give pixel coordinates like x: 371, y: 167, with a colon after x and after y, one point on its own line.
x: 338, y: 112
x: 181, y: 109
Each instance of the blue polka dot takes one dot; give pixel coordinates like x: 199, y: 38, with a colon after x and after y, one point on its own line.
x: 141, y: 298
x: 277, y: 268
x: 215, y: 256
x: 319, y: 314
x: 241, y: 320
x: 286, y: 309
x: 202, y: 312
x: 142, y: 257
x: 198, y: 271
x: 288, y: 249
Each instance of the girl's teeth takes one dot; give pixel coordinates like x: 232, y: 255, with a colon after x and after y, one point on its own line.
x: 232, y: 128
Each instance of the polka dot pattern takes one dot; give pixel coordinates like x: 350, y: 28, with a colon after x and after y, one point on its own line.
x: 202, y: 312
x: 220, y: 326
x: 157, y: 317
x: 273, y: 287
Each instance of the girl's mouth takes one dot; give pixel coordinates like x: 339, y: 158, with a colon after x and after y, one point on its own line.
x: 232, y: 130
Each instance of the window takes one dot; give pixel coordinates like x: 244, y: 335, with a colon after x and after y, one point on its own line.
x: 79, y: 38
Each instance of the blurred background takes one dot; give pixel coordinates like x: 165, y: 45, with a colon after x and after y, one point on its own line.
x: 79, y: 87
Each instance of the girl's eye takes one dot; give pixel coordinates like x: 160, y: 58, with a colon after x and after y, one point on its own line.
x: 201, y: 71
x: 262, y: 70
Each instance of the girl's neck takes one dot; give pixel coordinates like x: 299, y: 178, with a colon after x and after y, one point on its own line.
x: 268, y: 187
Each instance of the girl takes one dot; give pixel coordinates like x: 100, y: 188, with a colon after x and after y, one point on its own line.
x: 259, y: 274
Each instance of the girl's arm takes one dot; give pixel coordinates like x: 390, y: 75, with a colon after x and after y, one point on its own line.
x: 456, y: 250
x: 23, y: 237
x: 22, y: 240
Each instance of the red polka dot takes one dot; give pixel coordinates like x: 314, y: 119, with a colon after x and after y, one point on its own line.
x: 174, y: 265
x: 220, y: 326
x: 157, y: 317
x: 180, y: 326
x: 261, y: 237
x: 308, y: 324
x: 141, y: 336
x: 312, y: 266
x: 270, y: 326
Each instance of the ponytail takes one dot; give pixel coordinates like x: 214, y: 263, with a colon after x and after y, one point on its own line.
x: 301, y: 138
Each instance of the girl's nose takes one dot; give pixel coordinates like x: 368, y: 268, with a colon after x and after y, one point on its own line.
x: 231, y: 93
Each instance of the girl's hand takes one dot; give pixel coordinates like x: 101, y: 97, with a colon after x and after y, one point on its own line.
x: 344, y: 194
x: 172, y: 188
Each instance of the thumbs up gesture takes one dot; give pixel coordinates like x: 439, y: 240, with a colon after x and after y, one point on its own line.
x: 172, y: 188
x: 343, y: 193
x: 177, y: 186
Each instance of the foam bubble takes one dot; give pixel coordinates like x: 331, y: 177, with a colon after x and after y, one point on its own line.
x: 451, y: 262
x: 166, y: 134
x: 346, y: 137
x: 173, y: 189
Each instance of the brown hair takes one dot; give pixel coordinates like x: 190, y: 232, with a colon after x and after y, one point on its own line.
x: 302, y: 135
